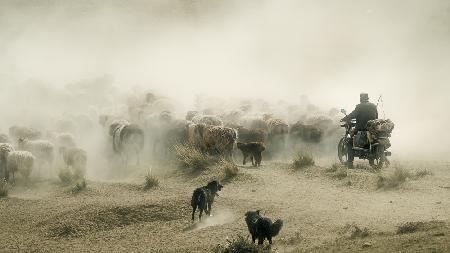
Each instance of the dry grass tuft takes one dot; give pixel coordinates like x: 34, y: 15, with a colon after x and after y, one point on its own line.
x: 150, y: 182
x: 337, y: 171
x: 237, y: 245
x: 191, y: 157
x: 229, y: 169
x: 409, y: 227
x: 340, y: 173
x: 423, y: 173
x: 334, y: 167
x: 302, y: 160
x: 395, y: 179
x: 79, y: 186
x: 4, y: 188
x: 352, y: 231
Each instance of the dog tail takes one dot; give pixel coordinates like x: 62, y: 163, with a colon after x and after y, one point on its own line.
x: 276, y: 227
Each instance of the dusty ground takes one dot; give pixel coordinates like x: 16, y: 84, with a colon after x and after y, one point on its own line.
x: 319, y: 211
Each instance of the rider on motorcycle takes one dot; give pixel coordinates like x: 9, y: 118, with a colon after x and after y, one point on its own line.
x: 363, y: 112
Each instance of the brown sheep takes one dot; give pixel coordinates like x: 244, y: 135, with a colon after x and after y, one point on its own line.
x: 210, y: 120
x: 251, y: 135
x: 252, y: 149
x: 306, y: 133
x: 214, y: 139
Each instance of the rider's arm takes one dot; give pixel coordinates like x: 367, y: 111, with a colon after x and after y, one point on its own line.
x: 352, y: 115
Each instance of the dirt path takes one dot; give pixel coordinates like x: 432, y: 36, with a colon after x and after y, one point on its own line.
x: 314, y: 206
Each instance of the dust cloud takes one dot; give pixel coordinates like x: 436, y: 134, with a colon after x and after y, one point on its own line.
x: 60, y: 58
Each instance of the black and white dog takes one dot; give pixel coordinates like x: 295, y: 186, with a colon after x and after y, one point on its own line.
x: 203, y: 198
x: 261, y: 227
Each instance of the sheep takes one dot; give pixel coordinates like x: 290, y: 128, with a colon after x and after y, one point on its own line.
x: 41, y: 149
x: 5, y: 149
x: 210, y: 120
x: 214, y: 139
x: 251, y: 135
x: 307, y: 133
x: 17, y: 132
x: 157, y: 128
x: 252, y: 149
x: 127, y: 138
x: 75, y: 158
x: 4, y: 138
x: 20, y: 161
x: 277, y: 132
x: 191, y: 114
x: 62, y: 139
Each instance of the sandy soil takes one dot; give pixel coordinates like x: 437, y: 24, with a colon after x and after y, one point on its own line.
x: 319, y: 212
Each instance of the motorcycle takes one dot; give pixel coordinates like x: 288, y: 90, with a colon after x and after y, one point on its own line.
x: 375, y: 151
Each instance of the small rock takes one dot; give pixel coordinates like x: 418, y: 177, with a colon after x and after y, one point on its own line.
x: 367, y: 245
x: 439, y: 202
x: 390, y: 201
x: 439, y: 234
x: 345, y: 208
x: 253, y: 190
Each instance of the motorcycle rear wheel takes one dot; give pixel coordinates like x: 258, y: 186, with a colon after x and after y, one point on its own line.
x: 381, y: 157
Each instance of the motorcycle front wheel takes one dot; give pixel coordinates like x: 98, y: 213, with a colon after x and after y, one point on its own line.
x: 342, y: 151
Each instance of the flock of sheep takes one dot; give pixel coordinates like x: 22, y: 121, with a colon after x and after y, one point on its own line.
x: 148, y: 126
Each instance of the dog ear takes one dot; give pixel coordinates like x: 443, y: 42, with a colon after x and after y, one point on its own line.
x: 257, y: 212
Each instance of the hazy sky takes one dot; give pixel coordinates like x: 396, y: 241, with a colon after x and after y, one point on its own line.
x: 330, y: 50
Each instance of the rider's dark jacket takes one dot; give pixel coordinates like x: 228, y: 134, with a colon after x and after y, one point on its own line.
x: 363, y: 112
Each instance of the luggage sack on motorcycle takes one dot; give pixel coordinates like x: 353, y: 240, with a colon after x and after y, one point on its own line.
x: 380, y: 127
x: 360, y: 139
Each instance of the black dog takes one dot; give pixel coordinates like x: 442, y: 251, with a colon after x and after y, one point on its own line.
x: 203, y: 198
x: 252, y: 149
x: 261, y: 227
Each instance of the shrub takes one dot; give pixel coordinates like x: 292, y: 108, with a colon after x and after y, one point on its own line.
x: 79, y: 186
x: 395, y: 179
x: 409, y: 227
x: 4, y: 188
x: 423, y: 173
x: 302, y: 160
x: 229, y: 169
x: 237, y: 245
x: 150, y: 182
x: 191, y: 157
x: 352, y: 231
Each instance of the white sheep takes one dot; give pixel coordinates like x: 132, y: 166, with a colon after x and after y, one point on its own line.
x: 41, y: 149
x: 20, y: 161
x: 5, y: 149
x: 75, y: 158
